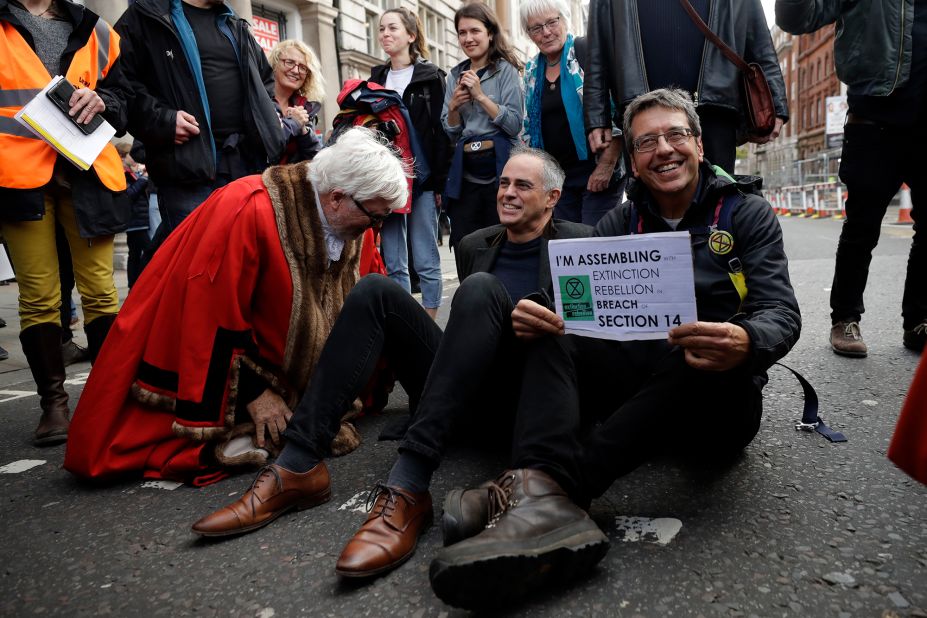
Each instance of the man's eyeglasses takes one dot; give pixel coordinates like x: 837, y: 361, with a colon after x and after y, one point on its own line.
x: 551, y: 25
x: 673, y: 137
x: 289, y: 65
x: 375, y: 220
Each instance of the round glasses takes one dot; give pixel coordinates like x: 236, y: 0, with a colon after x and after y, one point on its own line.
x: 673, y: 137
x: 550, y: 25
x: 289, y: 65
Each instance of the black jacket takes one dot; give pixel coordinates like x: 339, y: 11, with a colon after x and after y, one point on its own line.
x: 616, y: 62
x: 769, y: 313
x: 479, y: 250
x: 155, y: 65
x: 424, y: 98
x: 99, y: 211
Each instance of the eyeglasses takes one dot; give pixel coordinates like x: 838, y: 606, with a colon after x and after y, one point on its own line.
x: 289, y: 65
x: 375, y: 220
x: 551, y: 25
x: 674, y: 137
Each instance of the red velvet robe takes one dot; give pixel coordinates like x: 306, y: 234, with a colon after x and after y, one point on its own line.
x: 219, y: 286
x: 909, y: 445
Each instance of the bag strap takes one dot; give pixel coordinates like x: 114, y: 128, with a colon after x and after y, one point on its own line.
x: 711, y: 36
x: 810, y: 420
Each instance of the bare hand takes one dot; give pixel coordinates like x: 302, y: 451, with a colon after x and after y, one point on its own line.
x: 600, y: 176
x: 471, y: 81
x: 187, y: 127
x: 270, y: 414
x: 438, y: 201
x: 712, y: 346
x: 777, y: 128
x: 599, y: 139
x: 299, y: 114
x: 461, y: 96
x: 85, y: 104
x: 531, y: 320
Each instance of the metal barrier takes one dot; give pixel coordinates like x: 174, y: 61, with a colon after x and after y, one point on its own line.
x: 813, y: 201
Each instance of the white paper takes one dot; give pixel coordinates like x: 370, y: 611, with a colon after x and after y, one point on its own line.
x: 624, y: 287
x: 49, y: 123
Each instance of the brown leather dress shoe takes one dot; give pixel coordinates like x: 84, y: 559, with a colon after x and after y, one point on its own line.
x: 275, y: 491
x: 390, y: 534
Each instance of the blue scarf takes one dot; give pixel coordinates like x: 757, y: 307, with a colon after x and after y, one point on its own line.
x: 571, y: 91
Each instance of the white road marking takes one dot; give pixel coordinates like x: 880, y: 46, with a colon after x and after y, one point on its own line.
x: 167, y: 485
x: 357, y: 503
x: 267, y: 612
x: 21, y: 466
x: 78, y: 379
x: 661, y: 530
x: 14, y: 395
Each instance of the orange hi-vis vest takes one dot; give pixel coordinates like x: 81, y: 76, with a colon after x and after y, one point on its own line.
x: 27, y: 162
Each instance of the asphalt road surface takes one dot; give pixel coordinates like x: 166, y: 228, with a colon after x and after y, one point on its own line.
x: 797, y: 527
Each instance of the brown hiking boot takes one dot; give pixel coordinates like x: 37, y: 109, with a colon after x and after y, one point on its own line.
x: 540, y: 537
x: 846, y: 340
x: 467, y: 511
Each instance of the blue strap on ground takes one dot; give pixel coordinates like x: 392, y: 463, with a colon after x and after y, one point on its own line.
x: 810, y: 421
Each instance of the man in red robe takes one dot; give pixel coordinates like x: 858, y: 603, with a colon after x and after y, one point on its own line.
x: 223, y: 329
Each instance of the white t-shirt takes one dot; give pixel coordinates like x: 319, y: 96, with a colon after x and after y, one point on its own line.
x: 398, y: 80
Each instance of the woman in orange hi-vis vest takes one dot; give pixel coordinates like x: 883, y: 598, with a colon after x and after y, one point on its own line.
x: 38, y: 40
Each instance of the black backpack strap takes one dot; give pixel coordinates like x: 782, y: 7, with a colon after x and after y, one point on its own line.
x: 810, y: 421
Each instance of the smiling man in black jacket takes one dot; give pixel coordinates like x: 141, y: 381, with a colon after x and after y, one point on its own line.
x: 203, y: 99
x: 592, y: 410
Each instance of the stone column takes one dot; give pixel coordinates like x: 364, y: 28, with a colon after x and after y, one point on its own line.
x: 110, y: 10
x: 242, y: 8
x: 318, y: 22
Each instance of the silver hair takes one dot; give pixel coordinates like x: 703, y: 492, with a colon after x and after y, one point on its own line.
x: 675, y: 99
x: 363, y: 166
x: 533, y: 8
x: 551, y: 172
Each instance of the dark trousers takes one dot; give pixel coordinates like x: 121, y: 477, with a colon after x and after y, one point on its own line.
x: 452, y: 380
x: 593, y: 410
x: 579, y: 205
x: 876, y: 160
x: 475, y: 209
x: 719, y: 136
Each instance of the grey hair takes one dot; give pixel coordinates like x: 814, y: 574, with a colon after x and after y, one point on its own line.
x: 533, y: 8
x: 675, y: 99
x: 363, y: 166
x: 551, y: 172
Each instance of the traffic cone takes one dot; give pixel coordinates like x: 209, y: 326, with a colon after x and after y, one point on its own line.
x: 904, y: 210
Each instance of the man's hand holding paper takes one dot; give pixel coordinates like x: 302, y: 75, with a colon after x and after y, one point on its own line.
x: 712, y: 346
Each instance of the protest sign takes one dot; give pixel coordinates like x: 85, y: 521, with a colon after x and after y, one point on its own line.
x: 624, y: 287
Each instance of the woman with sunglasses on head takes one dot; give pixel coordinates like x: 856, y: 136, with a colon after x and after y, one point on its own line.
x: 554, y: 114
x: 298, y: 88
x: 483, y: 115
x: 421, y: 86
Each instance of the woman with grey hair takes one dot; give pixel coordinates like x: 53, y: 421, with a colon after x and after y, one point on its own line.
x: 554, y: 114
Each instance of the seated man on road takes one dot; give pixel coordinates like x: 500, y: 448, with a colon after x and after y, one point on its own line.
x: 703, y: 384
x: 467, y: 376
x: 222, y: 331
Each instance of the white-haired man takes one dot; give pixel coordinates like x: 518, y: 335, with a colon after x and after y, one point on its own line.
x: 222, y: 331
x: 463, y: 382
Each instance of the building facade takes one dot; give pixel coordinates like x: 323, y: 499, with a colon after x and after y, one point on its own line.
x: 344, y: 32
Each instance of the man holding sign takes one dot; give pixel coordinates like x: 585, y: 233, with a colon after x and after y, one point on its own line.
x: 593, y: 409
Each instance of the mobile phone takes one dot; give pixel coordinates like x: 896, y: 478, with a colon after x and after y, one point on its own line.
x: 60, y: 95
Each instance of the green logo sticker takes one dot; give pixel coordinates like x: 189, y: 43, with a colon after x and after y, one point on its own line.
x: 577, y: 298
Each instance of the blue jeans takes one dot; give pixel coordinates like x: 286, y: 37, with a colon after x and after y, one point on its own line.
x: 178, y: 201
x: 579, y: 205
x: 422, y: 226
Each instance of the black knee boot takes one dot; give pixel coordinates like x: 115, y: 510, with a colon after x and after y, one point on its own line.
x: 42, y: 347
x: 96, y: 334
